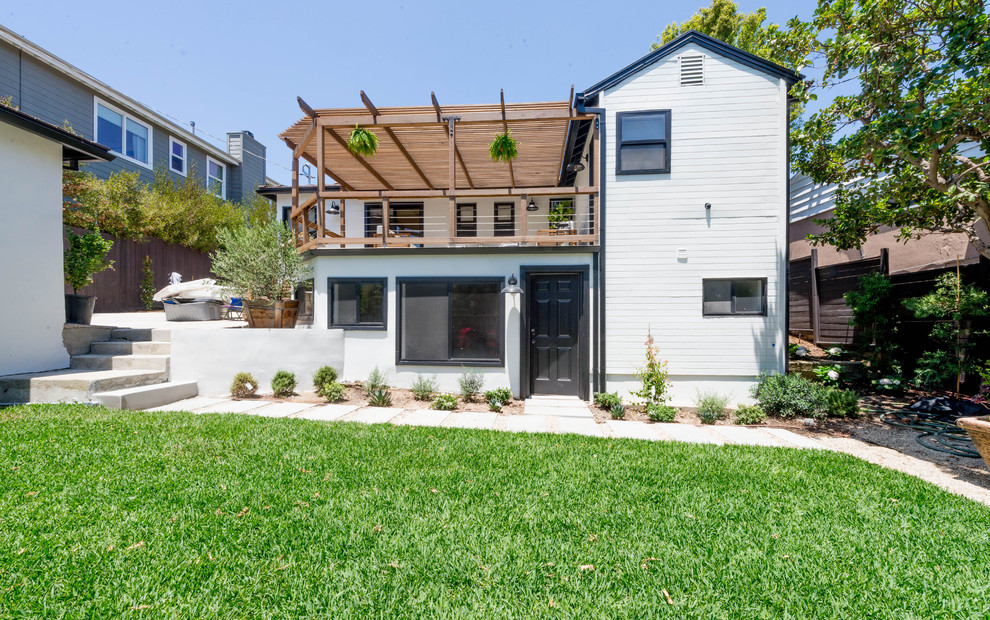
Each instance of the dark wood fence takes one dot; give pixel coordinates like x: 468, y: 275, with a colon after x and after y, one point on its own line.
x: 119, y: 290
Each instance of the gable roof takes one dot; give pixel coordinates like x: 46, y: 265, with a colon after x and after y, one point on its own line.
x: 75, y: 149
x: 691, y: 36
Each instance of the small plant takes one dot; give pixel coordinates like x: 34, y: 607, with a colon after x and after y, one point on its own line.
x: 377, y: 380
x: 424, y: 388
x: 85, y: 257
x: 618, y: 411
x: 835, y: 353
x: 606, y: 401
x: 380, y: 397
x: 561, y: 212
x: 324, y: 376
x: 984, y: 372
x: 444, y: 402
x: 789, y: 396
x: 654, y: 376
x: 800, y: 351
x: 283, y: 384
x: 333, y: 391
x: 147, y: 284
x: 362, y: 142
x: 841, y: 403
x: 890, y: 385
x: 502, y: 394
x: 244, y: 385
x: 711, y: 406
x: 471, y: 383
x: 495, y: 405
x: 660, y: 413
x: 503, y: 147
x: 8, y: 102
x: 750, y: 414
x: 876, y: 320
x: 792, y: 349
x: 829, y: 375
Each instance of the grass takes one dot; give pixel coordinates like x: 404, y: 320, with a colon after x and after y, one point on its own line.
x: 106, y: 513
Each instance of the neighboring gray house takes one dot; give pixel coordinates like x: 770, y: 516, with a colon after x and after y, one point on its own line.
x: 47, y: 87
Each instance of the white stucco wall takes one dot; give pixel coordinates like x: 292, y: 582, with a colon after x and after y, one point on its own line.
x: 32, y: 311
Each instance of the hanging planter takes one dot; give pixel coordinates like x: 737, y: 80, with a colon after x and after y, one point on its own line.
x: 503, y: 147
x: 362, y: 142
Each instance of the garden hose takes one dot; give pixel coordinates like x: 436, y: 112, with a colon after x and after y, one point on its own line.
x: 936, y: 432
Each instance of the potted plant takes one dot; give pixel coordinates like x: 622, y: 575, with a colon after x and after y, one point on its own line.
x: 362, y: 142
x: 560, y: 215
x: 85, y: 257
x: 503, y: 147
x: 978, y: 428
x: 261, y: 265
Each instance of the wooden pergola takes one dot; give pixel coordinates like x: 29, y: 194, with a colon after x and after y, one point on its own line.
x: 433, y: 152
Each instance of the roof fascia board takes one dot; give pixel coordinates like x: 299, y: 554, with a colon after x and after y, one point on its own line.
x: 92, y: 151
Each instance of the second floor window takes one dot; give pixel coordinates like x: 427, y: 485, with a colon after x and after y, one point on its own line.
x: 177, y: 156
x: 216, y: 178
x: 643, y: 142
x: 123, y: 134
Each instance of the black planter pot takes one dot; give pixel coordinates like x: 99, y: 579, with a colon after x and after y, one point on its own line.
x: 79, y: 308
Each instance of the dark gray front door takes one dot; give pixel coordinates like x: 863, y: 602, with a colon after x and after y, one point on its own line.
x: 555, y: 308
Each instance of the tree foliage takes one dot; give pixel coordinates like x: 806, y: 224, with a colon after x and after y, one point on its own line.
x: 85, y: 257
x: 259, y: 262
x: 908, y: 150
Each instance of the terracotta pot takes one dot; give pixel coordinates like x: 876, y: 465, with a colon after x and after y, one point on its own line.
x: 265, y: 315
x: 79, y: 308
x: 978, y: 429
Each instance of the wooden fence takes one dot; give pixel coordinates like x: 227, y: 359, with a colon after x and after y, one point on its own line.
x: 119, y: 290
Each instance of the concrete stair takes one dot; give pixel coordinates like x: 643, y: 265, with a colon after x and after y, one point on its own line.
x: 128, y: 371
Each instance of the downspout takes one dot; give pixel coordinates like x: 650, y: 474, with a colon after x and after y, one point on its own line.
x: 599, y: 302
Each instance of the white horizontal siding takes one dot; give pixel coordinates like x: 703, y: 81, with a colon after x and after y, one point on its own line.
x: 728, y: 148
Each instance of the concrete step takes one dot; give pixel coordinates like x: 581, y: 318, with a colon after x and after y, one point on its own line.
x: 128, y: 347
x: 72, y: 385
x: 144, y: 334
x: 97, y: 361
x: 147, y: 396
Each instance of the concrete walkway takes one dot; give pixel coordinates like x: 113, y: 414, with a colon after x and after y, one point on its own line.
x: 566, y: 415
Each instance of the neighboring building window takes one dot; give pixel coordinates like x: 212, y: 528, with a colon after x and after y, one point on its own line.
x: 505, y: 219
x: 450, y: 321
x: 739, y: 296
x: 216, y: 180
x: 177, y: 156
x: 357, y: 303
x: 467, y: 220
x: 123, y: 134
x: 643, y: 142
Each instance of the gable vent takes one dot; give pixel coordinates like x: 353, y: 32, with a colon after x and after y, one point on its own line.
x: 692, y: 70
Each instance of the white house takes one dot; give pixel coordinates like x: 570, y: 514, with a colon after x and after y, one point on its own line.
x: 32, y: 156
x: 653, y: 203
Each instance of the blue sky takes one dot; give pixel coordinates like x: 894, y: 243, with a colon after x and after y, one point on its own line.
x: 239, y: 65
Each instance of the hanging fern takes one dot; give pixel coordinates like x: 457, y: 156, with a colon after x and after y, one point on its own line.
x: 503, y: 147
x: 362, y: 142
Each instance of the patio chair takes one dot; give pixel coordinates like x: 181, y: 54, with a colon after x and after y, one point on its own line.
x: 234, y: 310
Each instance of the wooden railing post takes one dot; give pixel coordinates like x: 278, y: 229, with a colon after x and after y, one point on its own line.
x: 523, y: 219
x: 385, y: 222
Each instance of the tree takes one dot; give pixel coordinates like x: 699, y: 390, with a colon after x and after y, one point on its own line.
x: 909, y: 150
x: 722, y: 20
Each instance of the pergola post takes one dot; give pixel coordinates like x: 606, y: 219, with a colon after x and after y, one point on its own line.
x: 321, y: 214
x: 523, y: 219
x: 295, y: 194
x: 385, y: 221
x: 596, y: 171
x: 452, y: 178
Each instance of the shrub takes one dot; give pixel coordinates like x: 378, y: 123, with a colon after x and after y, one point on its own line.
x: 653, y: 376
x: 618, y: 410
x: 377, y: 380
x: 380, y: 397
x: 829, y: 375
x: 711, y: 406
x: 495, y: 405
x: 606, y: 401
x: 788, y: 396
x: 502, y: 394
x: 471, y: 383
x: 283, y: 384
x: 875, y: 316
x: 424, y: 388
x: 444, y: 402
x: 333, y: 391
x: 259, y: 262
x: 147, y: 286
x: 892, y: 384
x: 244, y: 385
x: 85, y: 257
x: 841, y: 403
x: 660, y: 413
x: 323, y: 376
x: 750, y: 414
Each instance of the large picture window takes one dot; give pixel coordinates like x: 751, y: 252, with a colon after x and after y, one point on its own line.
x: 643, y: 142
x: 722, y: 297
x: 357, y: 303
x: 123, y: 134
x: 450, y: 321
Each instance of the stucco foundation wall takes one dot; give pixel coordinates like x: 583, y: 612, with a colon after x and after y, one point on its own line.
x: 684, y: 389
x: 31, y: 281
x: 213, y: 357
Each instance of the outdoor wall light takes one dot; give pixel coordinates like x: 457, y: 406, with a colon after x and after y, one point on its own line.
x: 333, y: 208
x: 513, y: 287
x: 532, y: 205
x: 578, y: 167
x: 708, y: 206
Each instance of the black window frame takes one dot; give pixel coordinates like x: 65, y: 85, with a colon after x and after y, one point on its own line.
x: 665, y: 168
x: 504, y: 228
x: 451, y: 361
x: 383, y: 326
x: 467, y: 228
x: 732, y: 295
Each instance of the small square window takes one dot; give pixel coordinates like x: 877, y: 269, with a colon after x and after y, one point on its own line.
x: 723, y: 297
x: 357, y: 303
x: 643, y: 142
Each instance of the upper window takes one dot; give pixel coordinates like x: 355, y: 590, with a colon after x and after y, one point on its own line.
x: 643, y: 142
x: 357, y: 303
x: 467, y: 220
x: 177, y: 156
x: 505, y: 219
x: 739, y: 296
x: 216, y: 177
x: 450, y: 321
x: 123, y: 134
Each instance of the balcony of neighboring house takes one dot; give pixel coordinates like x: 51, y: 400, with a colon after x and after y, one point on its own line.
x: 432, y: 182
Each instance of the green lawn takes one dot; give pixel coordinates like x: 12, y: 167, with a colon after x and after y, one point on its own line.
x: 107, y: 513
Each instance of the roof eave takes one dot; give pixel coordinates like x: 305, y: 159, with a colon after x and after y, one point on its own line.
x: 74, y: 148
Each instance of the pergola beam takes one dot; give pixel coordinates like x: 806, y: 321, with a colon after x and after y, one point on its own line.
x: 308, y: 111
x: 343, y: 184
x: 407, y: 119
x: 502, y: 192
x: 395, y: 139
x: 343, y: 143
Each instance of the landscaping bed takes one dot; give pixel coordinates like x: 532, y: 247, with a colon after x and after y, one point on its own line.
x: 113, y: 513
x: 401, y: 398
